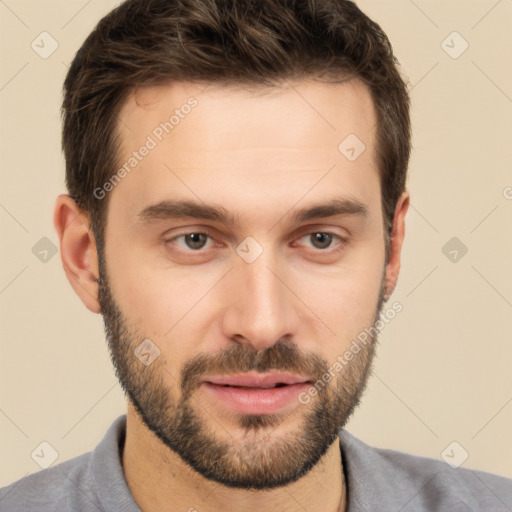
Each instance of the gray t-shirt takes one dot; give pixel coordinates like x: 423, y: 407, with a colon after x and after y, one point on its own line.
x: 377, y: 481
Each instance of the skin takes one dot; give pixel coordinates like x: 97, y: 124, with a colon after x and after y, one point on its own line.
x: 261, y: 155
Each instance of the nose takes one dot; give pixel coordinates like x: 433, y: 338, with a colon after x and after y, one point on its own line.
x: 261, y: 308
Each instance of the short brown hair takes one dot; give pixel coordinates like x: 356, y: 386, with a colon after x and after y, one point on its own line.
x: 240, y: 42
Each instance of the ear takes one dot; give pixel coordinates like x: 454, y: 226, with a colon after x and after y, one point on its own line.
x: 78, y: 250
x: 397, y: 239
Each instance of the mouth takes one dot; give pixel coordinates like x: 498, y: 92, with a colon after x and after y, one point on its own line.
x: 278, y: 385
x: 262, y: 381
x: 256, y: 393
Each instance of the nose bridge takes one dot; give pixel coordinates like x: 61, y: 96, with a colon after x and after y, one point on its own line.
x: 260, y: 309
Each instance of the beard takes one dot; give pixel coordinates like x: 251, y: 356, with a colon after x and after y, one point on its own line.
x: 264, y: 458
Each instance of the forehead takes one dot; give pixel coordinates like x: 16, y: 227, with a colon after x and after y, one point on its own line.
x: 244, y: 144
x: 330, y: 109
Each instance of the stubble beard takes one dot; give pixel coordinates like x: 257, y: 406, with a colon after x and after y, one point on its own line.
x: 269, y: 455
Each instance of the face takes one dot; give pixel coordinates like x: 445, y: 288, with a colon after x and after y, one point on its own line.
x: 244, y: 253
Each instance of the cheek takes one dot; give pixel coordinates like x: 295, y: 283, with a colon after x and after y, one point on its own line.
x: 345, y: 299
x: 156, y: 297
x: 163, y: 307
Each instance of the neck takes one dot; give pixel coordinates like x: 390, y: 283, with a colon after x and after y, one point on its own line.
x: 160, y: 481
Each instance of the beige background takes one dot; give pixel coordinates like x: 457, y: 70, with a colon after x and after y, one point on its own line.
x: 443, y: 371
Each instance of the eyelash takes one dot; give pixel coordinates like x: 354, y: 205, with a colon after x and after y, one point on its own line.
x: 341, y: 245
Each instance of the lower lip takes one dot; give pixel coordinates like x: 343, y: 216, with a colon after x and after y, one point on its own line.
x: 256, y: 400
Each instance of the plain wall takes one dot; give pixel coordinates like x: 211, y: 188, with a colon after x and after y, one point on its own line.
x: 443, y: 370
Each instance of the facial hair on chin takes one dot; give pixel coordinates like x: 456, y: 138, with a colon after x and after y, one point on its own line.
x: 265, y: 461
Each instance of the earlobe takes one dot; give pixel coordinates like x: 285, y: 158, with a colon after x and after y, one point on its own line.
x: 78, y: 250
x: 397, y: 239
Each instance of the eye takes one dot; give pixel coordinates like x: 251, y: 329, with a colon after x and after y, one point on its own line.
x: 322, y: 240
x: 195, y: 241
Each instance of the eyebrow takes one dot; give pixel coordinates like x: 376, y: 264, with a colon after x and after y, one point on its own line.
x: 168, y: 210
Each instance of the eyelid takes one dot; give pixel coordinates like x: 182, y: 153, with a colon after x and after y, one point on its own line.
x: 200, y: 231
x: 337, y: 231
x: 342, y: 240
x: 304, y: 232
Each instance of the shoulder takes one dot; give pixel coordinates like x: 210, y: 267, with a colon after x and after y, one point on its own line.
x: 91, y: 482
x: 66, y: 486
x: 412, y: 482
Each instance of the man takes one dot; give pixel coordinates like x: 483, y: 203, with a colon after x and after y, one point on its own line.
x: 236, y: 211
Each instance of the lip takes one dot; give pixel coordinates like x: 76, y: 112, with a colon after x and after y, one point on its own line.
x: 263, y: 380
x: 255, y: 394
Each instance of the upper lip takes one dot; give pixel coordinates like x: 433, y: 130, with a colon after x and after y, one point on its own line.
x: 266, y: 380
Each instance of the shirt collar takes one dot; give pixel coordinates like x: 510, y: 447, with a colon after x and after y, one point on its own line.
x: 367, y: 474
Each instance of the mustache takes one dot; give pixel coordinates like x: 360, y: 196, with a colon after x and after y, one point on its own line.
x: 284, y: 355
